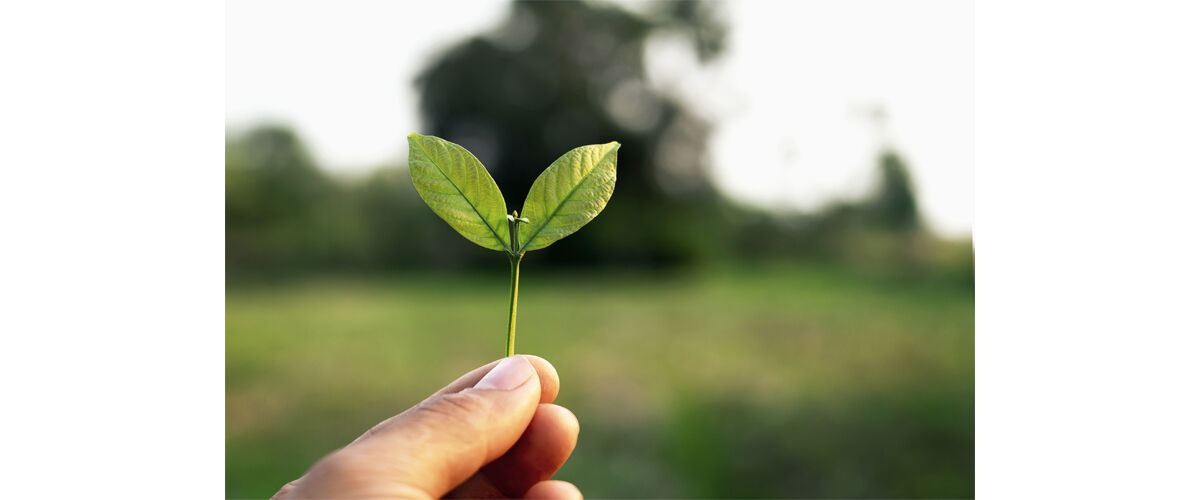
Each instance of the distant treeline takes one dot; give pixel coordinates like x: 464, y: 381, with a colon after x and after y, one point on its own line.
x: 551, y: 77
x: 286, y: 215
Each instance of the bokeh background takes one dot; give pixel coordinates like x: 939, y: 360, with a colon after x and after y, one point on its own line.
x: 777, y: 302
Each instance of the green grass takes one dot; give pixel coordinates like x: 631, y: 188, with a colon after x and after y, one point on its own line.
x: 774, y: 381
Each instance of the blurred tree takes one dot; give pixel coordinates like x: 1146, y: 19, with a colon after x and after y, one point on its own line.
x: 557, y: 75
x: 285, y: 215
x: 894, y: 205
x: 281, y: 212
x: 269, y: 175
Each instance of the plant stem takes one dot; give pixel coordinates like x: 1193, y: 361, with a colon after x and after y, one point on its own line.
x: 514, y: 267
x: 514, y: 272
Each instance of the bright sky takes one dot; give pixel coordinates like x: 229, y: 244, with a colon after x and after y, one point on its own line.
x: 789, y: 98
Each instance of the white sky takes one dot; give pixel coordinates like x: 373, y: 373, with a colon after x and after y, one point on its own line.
x: 789, y: 97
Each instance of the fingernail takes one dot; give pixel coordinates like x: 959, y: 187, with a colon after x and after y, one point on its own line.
x: 508, y: 375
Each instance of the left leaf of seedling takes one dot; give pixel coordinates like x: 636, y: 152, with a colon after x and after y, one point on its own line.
x: 457, y: 187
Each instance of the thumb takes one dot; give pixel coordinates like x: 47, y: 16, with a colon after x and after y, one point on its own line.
x: 438, y: 444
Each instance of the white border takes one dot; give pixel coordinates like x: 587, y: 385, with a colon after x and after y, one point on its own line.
x: 1087, y: 157
x: 112, y: 249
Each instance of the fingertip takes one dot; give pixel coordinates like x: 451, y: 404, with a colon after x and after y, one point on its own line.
x: 548, y: 375
x: 554, y: 490
x: 563, y: 417
x: 507, y: 375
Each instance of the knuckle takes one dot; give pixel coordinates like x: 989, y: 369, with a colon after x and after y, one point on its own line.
x: 459, y: 415
x: 461, y: 408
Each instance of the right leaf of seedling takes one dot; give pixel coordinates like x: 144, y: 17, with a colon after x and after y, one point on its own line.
x: 569, y: 194
x: 459, y: 190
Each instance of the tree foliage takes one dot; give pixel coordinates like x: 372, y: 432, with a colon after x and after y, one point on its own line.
x: 559, y: 74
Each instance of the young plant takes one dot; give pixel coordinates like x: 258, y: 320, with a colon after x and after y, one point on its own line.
x: 568, y: 194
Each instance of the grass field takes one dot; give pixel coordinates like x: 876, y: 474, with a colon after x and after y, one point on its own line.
x: 774, y: 381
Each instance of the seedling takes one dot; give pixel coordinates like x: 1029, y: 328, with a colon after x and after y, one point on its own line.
x: 568, y: 194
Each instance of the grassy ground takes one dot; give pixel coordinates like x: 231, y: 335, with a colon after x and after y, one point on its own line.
x: 782, y: 381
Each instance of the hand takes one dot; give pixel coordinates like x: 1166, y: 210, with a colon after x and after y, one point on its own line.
x: 490, y: 434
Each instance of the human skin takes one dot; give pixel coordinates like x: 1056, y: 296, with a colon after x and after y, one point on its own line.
x: 493, y: 433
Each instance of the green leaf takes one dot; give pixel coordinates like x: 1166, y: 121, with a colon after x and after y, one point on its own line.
x: 569, y: 194
x: 457, y: 187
